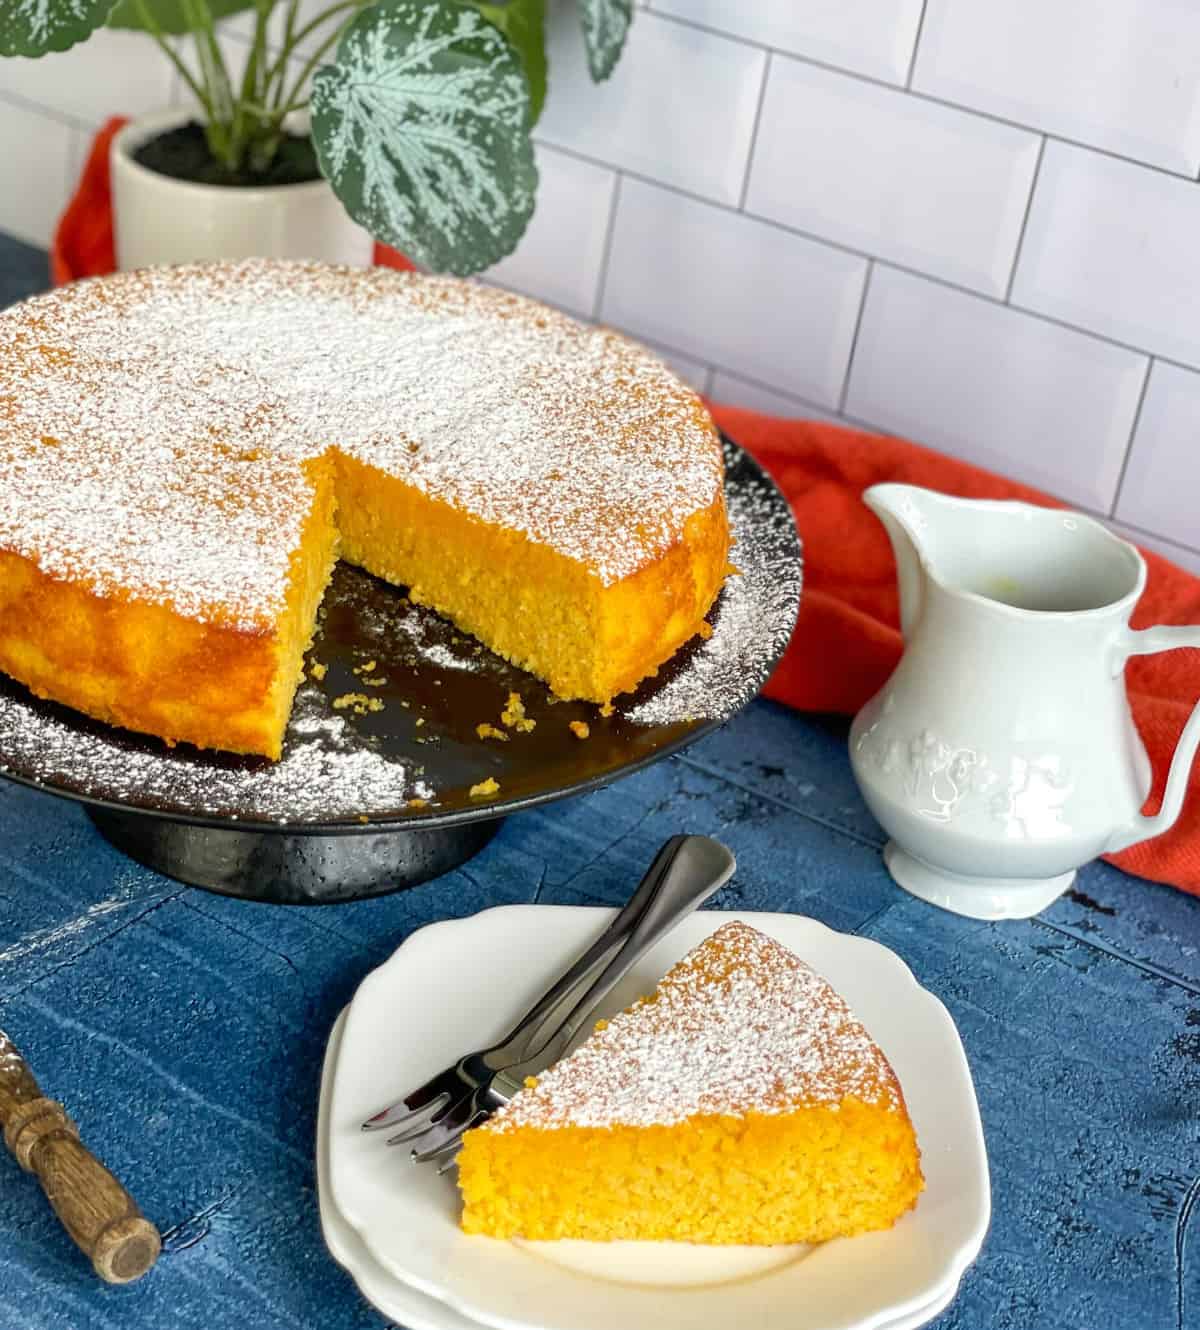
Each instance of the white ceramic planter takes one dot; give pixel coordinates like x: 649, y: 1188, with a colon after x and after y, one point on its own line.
x: 160, y: 220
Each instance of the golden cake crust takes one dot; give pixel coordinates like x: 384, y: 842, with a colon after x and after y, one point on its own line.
x: 172, y: 443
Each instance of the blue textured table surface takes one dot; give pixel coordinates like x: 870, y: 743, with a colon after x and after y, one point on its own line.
x: 185, y: 1033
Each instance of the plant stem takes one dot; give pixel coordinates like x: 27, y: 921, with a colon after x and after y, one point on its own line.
x: 325, y: 16
x: 292, y: 38
x: 241, y: 129
x: 216, y: 78
x: 292, y: 101
x: 148, y: 22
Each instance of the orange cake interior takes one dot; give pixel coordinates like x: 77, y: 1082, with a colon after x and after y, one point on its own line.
x: 185, y: 452
x: 741, y: 1102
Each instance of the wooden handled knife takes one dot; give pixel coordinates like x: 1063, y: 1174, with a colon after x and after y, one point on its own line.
x: 99, y: 1214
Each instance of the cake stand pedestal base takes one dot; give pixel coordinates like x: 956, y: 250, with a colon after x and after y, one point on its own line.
x: 292, y: 868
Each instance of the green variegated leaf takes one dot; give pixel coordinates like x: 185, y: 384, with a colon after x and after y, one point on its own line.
x: 523, y: 22
x: 422, y: 127
x: 605, y: 23
x: 33, y: 27
x: 168, y: 14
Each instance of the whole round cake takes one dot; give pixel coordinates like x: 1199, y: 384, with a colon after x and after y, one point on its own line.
x: 185, y: 452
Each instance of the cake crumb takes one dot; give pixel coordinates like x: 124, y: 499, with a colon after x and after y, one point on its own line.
x: 364, y: 669
x: 354, y: 700
x: 514, y: 715
x: 317, y: 671
x: 375, y: 681
x: 359, y: 703
x: 485, y: 788
x: 607, y: 709
x: 363, y: 818
x: 486, y: 731
x: 420, y: 721
x: 705, y: 630
x: 580, y: 729
x: 417, y: 803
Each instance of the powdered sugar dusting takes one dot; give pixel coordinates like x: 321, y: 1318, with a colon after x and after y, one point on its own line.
x: 739, y: 1025
x: 153, y: 424
x: 329, y: 768
x: 753, y: 618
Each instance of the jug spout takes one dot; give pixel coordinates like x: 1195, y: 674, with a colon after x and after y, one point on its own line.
x: 899, y: 508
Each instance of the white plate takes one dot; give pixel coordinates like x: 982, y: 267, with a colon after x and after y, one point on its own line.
x: 459, y: 984
x: 402, y: 1303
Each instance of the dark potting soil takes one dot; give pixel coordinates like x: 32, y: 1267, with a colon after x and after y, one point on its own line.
x: 183, y: 154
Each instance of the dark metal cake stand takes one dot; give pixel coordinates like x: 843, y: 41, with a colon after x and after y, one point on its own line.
x: 374, y: 793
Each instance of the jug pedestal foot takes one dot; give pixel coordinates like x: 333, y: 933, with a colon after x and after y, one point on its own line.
x: 976, y: 897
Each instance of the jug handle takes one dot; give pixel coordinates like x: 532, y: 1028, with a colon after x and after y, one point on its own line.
x: 1148, y: 642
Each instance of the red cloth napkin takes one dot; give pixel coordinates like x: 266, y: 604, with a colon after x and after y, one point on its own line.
x: 847, y: 640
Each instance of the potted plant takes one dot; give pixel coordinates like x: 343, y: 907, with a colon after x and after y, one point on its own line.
x: 407, y: 120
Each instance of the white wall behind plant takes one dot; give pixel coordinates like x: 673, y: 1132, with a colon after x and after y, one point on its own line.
x: 970, y: 223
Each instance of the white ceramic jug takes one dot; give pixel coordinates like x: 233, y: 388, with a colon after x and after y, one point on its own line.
x: 1001, y: 754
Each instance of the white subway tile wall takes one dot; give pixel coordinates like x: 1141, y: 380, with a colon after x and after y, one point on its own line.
x: 972, y: 223
x: 1116, y: 74
x: 114, y: 73
x: 733, y: 390
x: 560, y: 256
x: 38, y: 154
x: 984, y: 382
x: 680, y: 107
x: 1114, y: 248
x: 732, y: 291
x: 892, y: 175
x: 874, y: 37
x: 695, y: 372
x: 1161, y: 488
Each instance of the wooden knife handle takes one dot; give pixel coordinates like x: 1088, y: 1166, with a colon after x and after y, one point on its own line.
x: 99, y: 1214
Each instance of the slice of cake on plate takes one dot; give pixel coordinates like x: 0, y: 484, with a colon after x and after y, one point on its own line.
x: 741, y: 1102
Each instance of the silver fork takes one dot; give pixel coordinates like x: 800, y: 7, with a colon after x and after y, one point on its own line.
x: 700, y: 867
x: 433, y: 1117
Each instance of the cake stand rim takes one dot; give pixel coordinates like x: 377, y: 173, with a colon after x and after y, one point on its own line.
x: 691, y: 732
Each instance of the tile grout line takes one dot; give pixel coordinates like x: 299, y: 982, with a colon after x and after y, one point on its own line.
x: 858, y: 322
x: 912, y: 61
x: 1186, y: 176
x: 50, y: 112
x: 1155, y: 535
x: 1133, y: 428
x: 1033, y: 184
x: 758, y: 110
x: 609, y: 236
x: 842, y: 248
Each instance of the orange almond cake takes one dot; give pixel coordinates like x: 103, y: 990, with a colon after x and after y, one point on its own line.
x: 185, y: 452
x: 741, y: 1102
